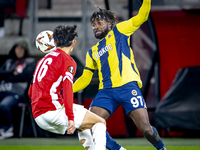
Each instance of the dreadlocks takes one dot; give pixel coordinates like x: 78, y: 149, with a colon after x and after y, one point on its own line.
x: 64, y: 35
x: 108, y: 15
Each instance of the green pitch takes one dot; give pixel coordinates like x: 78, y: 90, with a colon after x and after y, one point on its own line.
x: 81, y: 148
x: 73, y: 144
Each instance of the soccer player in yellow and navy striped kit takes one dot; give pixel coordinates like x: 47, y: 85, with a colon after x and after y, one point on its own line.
x: 119, y: 78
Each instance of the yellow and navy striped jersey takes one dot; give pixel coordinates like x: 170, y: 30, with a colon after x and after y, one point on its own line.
x: 112, y: 55
x: 114, y: 59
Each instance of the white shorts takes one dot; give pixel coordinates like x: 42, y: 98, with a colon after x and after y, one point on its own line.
x: 57, y: 121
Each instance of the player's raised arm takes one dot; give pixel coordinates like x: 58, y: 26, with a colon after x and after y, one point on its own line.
x: 143, y: 13
x: 130, y: 26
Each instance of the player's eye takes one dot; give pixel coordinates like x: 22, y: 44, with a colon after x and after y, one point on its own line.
x: 93, y: 25
x: 100, y: 22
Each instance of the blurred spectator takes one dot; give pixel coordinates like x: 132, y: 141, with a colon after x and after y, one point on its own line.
x: 15, y: 76
x: 3, y: 5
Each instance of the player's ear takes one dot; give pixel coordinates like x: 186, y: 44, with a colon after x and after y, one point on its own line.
x: 109, y: 25
x: 73, y: 43
x: 55, y: 43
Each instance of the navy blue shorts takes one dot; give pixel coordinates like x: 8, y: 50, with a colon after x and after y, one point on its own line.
x: 128, y: 95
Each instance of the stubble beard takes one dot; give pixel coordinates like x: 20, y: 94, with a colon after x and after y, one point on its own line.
x: 102, y: 35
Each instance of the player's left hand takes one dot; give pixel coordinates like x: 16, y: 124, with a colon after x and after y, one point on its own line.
x: 71, y: 127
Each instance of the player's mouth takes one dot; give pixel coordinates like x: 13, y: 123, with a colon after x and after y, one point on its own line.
x: 97, y: 32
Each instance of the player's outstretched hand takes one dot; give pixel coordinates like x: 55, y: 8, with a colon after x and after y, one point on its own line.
x: 71, y: 127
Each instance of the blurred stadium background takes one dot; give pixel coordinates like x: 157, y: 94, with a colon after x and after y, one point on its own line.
x: 166, y: 50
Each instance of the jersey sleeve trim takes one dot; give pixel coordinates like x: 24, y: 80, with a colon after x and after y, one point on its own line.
x: 68, y: 76
x: 92, y: 70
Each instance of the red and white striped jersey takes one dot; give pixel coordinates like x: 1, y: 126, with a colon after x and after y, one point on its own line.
x: 54, y: 73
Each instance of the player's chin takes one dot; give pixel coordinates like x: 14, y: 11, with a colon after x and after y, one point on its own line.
x: 98, y: 36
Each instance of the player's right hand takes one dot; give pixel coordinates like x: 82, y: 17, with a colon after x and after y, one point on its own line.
x: 71, y: 127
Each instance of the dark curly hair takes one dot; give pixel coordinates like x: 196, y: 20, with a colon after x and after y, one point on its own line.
x: 64, y: 35
x: 108, y: 15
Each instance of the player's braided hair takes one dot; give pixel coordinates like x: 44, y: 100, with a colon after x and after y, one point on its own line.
x: 64, y: 35
x: 108, y: 15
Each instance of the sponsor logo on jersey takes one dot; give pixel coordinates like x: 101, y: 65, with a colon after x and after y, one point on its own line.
x: 102, y: 51
x: 71, y: 69
x: 134, y: 92
x: 53, y: 54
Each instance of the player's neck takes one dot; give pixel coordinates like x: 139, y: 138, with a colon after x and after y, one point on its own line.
x: 67, y: 50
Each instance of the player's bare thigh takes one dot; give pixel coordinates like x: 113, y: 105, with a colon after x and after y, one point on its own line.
x: 141, y: 119
x: 89, y: 120
x: 100, y: 112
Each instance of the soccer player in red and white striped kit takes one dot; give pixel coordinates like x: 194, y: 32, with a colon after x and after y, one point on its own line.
x: 55, y: 112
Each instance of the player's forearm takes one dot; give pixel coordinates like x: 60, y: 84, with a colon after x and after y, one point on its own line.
x: 68, y: 99
x: 83, y: 81
x: 143, y: 13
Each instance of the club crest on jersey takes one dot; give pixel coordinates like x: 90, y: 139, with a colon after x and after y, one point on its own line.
x: 71, y: 69
x: 134, y: 92
x: 109, y: 36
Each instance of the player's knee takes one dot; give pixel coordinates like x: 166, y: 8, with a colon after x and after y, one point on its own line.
x: 104, y: 122
x: 101, y: 120
x: 147, y: 130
